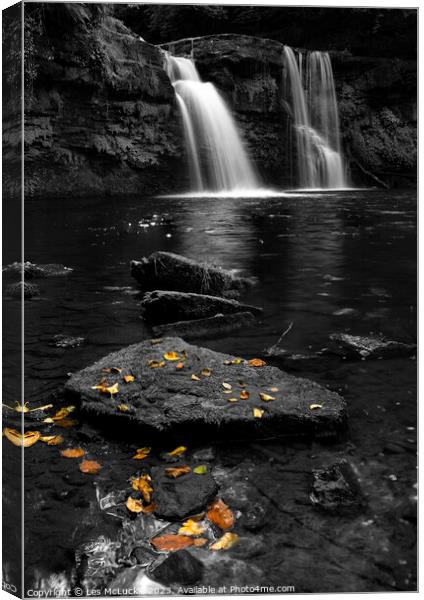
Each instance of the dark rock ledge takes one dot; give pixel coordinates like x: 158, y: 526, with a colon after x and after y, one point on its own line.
x: 167, y: 399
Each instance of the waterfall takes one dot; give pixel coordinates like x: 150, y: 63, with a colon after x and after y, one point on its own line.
x: 217, y: 159
x: 315, y: 119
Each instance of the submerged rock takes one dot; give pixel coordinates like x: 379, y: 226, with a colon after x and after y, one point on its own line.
x: 217, y: 326
x: 179, y: 567
x: 336, y: 489
x: 14, y: 290
x: 96, y: 563
x: 178, y: 498
x: 66, y: 341
x: 360, y: 347
x: 33, y: 271
x: 169, y: 271
x: 201, y: 391
x: 167, y: 306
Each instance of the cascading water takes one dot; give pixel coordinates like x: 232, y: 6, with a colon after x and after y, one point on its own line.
x: 217, y: 160
x: 315, y: 119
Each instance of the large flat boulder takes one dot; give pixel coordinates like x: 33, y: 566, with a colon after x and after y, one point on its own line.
x: 169, y: 271
x: 168, y: 306
x: 202, y: 392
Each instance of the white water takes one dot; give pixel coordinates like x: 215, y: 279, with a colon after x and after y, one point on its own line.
x: 217, y: 159
x: 315, y: 120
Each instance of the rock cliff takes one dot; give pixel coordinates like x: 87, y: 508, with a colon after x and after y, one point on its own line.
x: 101, y: 117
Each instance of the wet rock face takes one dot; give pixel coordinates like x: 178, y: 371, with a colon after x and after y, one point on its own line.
x: 169, y: 271
x: 33, y: 271
x: 14, y: 290
x: 167, y: 306
x: 194, y: 398
x: 210, y: 327
x: 178, y: 498
x: 100, y: 117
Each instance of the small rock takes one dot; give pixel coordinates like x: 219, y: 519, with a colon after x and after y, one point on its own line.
x: 33, y: 271
x: 367, y: 347
x: 256, y: 516
x: 248, y: 547
x: 66, y: 341
x: 336, y: 489
x: 178, y: 498
x: 14, y: 290
x: 143, y: 555
x: 204, y: 454
x: 179, y: 567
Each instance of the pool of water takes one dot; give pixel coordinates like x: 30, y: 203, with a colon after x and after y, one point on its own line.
x: 323, y: 263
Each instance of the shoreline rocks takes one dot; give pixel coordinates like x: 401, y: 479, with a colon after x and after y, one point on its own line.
x: 209, y: 392
x: 367, y: 347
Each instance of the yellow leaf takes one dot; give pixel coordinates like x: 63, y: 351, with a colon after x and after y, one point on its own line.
x: 129, y: 378
x: 258, y: 412
x: 141, y: 453
x: 177, y: 451
x: 21, y: 408
x: 104, y: 388
x: 195, y: 378
x: 90, y: 466
x: 142, y: 484
x: 226, y: 385
x: 117, y: 370
x: 51, y: 440
x: 234, y: 361
x: 171, y: 356
x: 72, y: 452
x: 133, y: 505
x: 26, y: 440
x: 156, y: 364
x: 225, y: 542
x: 244, y: 394
x: 315, y: 406
x: 122, y: 407
x: 228, y: 391
x: 175, y: 472
x: 192, y: 528
x: 232, y: 399
x: 206, y: 372
x: 256, y: 362
x: 266, y: 397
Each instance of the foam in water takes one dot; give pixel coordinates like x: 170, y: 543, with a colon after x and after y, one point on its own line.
x: 217, y: 159
x: 315, y: 120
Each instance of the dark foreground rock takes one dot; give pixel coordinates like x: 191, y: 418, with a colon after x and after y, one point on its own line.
x: 169, y: 271
x: 179, y: 567
x: 14, y: 290
x: 362, y: 347
x: 217, y: 326
x: 168, y: 307
x: 336, y: 489
x: 33, y: 271
x: 178, y: 498
x: 203, y: 392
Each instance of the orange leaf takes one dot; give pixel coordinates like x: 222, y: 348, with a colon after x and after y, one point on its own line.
x: 179, y: 366
x: 67, y: 423
x: 244, y: 394
x: 72, y: 452
x: 26, y: 440
x: 63, y: 412
x: 90, y: 466
x: 142, y: 484
x: 171, y: 356
x: 141, y: 453
x: 170, y: 542
x: 220, y: 514
x: 200, y: 542
x: 175, y: 472
x: 256, y: 362
x: 129, y: 378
